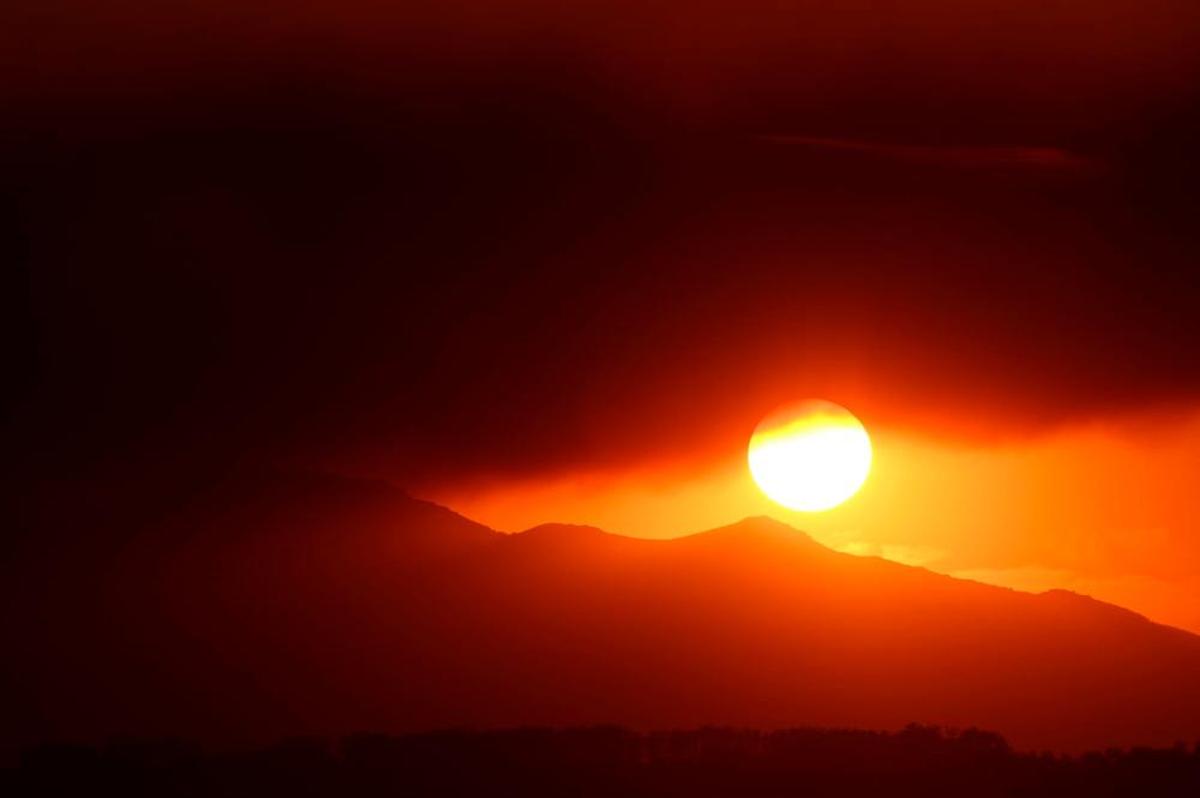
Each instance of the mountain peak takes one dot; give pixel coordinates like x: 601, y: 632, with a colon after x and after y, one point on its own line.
x: 764, y: 522
x: 562, y: 532
x: 760, y: 526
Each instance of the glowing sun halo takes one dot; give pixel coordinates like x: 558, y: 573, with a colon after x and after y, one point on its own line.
x: 810, y: 455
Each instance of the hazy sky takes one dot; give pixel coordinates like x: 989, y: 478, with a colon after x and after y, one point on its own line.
x: 574, y: 255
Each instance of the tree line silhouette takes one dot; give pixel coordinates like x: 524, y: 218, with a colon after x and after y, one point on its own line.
x: 609, y: 761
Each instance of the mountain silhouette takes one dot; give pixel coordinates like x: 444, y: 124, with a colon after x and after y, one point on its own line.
x: 272, y: 605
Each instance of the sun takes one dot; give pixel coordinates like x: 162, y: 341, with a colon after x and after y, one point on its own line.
x: 810, y: 455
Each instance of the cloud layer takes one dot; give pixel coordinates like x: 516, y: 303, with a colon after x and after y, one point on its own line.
x: 508, y: 253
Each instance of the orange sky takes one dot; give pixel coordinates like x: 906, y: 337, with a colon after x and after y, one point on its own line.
x: 555, y: 245
x: 1105, y: 508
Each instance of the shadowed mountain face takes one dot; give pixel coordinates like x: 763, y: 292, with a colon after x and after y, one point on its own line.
x: 272, y: 606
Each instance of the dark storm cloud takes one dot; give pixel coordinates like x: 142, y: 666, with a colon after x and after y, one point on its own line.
x: 535, y: 263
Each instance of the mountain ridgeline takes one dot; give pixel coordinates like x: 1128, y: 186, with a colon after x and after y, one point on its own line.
x: 274, y: 606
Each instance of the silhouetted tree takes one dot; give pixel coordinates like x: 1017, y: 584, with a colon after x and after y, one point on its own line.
x: 610, y: 761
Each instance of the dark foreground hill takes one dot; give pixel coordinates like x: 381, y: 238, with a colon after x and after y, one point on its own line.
x: 575, y: 763
x: 271, y: 606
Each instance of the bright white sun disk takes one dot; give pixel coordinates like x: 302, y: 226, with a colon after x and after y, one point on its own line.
x: 810, y: 456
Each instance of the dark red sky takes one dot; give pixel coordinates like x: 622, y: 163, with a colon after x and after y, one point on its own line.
x: 537, y: 239
x: 553, y: 262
